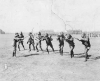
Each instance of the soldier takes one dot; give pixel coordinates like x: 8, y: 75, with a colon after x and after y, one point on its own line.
x: 61, y: 38
x: 70, y: 41
x: 16, y: 38
x: 38, y: 40
x: 86, y: 42
x: 31, y: 41
x: 48, y: 42
x: 21, y: 36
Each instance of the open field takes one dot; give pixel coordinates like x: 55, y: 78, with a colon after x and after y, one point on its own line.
x: 41, y: 66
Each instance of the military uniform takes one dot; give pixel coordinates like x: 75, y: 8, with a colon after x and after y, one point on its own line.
x: 31, y: 41
x: 16, y: 39
x: 61, y: 43
x: 21, y: 38
x: 48, y: 42
x: 38, y: 40
x: 70, y: 41
x: 86, y: 42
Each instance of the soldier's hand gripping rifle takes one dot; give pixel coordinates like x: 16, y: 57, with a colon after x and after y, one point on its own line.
x: 77, y: 39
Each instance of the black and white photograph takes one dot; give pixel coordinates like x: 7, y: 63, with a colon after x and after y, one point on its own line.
x: 49, y: 40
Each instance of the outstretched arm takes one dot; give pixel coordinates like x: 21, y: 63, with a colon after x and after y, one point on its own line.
x: 16, y: 38
x: 77, y: 39
x: 28, y: 41
x: 44, y: 38
x: 71, y: 39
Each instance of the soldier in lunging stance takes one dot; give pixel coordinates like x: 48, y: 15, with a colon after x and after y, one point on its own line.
x: 16, y: 39
x: 86, y: 42
x: 31, y: 41
x: 38, y: 41
x: 48, y: 42
x: 70, y: 41
x: 61, y: 38
x: 21, y: 36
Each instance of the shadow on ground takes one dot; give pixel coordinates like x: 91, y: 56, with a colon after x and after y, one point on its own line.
x: 29, y: 55
x: 79, y: 54
x: 96, y: 58
x: 82, y: 56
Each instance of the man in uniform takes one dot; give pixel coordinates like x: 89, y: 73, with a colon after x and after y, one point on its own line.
x: 21, y: 36
x: 61, y: 38
x: 86, y: 42
x: 16, y: 39
x: 48, y: 42
x: 31, y: 41
x: 38, y: 40
x: 70, y: 41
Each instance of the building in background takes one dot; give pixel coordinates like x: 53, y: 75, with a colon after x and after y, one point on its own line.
x: 50, y: 32
x: 74, y: 31
x: 94, y: 34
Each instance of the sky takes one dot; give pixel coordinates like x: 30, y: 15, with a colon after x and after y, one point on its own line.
x: 25, y: 15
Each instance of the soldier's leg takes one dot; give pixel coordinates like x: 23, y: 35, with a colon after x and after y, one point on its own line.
x: 19, y: 45
x: 22, y: 44
x: 40, y: 46
x: 86, y: 53
x: 14, y: 51
x: 62, y: 50
x: 33, y: 46
x: 37, y: 47
x: 47, y: 49
x: 71, y: 51
x: 30, y: 47
x: 52, y: 47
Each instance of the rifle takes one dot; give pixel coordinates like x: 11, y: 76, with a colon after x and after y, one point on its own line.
x: 77, y: 39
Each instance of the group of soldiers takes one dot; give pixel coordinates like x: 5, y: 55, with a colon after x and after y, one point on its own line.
x: 36, y: 41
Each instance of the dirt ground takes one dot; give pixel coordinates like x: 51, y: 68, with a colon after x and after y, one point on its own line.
x: 41, y: 66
